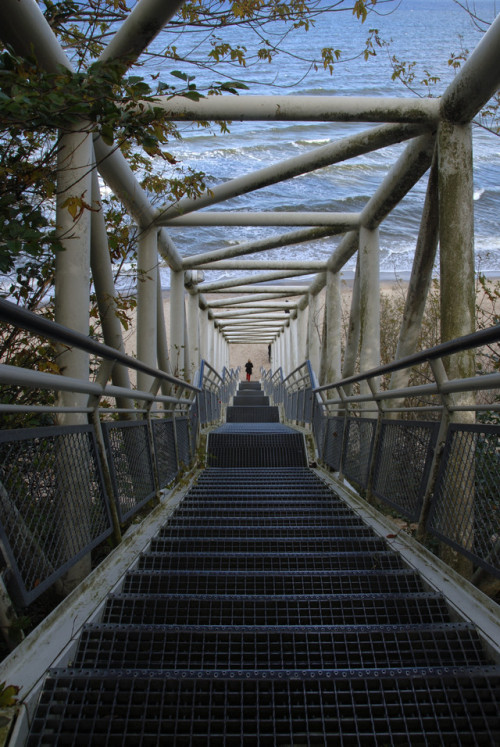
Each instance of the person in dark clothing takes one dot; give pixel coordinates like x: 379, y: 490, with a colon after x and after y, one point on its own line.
x: 249, y: 368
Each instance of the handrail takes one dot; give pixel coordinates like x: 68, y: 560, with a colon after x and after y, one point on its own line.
x: 13, y: 314
x: 459, y: 344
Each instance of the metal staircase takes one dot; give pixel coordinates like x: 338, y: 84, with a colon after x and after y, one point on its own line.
x: 265, y: 612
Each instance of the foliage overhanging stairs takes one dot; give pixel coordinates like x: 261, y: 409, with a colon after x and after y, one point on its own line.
x: 266, y: 613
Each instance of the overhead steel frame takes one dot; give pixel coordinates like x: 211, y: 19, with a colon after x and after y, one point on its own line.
x: 438, y: 130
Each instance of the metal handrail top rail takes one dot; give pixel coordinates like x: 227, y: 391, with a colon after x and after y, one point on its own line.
x: 16, y: 315
x: 459, y: 344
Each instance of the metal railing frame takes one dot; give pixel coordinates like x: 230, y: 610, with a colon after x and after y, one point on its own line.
x: 148, y: 406
x: 343, y: 406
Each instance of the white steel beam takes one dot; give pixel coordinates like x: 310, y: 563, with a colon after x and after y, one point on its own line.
x: 252, y: 247
x: 220, y: 285
x: 237, y: 314
x: 265, y: 264
x: 24, y: 27
x: 291, y: 290
x: 302, y: 108
x: 147, y: 308
x: 476, y: 82
x: 139, y: 28
x: 242, y: 300
x: 410, y: 166
x: 118, y: 175
x: 271, y: 218
x: 341, y: 150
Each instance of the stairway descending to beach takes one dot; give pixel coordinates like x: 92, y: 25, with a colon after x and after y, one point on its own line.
x: 265, y: 612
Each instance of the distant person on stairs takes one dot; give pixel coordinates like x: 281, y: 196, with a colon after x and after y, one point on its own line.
x: 249, y: 368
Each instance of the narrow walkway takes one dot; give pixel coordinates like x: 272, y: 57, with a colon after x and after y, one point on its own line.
x: 266, y: 613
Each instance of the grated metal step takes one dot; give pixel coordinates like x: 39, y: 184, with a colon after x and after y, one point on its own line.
x: 346, y: 610
x: 230, y: 584
x: 252, y: 521
x: 312, y: 562
x: 266, y: 613
x: 268, y: 450
x: 255, y: 414
x: 221, y: 533
x: 298, y: 545
x: 148, y: 647
x: 255, y: 385
x: 252, y: 399
x: 457, y: 707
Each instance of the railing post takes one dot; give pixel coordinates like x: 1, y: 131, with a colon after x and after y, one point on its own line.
x: 347, y: 408
x: 440, y: 377
x: 376, y: 439
x: 103, y: 375
x: 156, y: 479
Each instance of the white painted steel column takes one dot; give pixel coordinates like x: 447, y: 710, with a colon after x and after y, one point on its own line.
x: 330, y: 344
x: 162, y: 339
x: 204, y: 322
x: 458, y: 300
x: 302, y: 333
x: 313, y: 333
x: 352, y: 342
x: 294, y: 343
x: 102, y: 276
x: 147, y: 307
x: 369, y: 352
x: 177, y: 315
x: 287, y: 351
x: 75, y: 157
x: 456, y: 235
x: 420, y: 280
x: 211, y: 341
x: 282, y: 351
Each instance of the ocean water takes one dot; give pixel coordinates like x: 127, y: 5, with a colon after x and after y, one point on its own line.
x: 424, y: 31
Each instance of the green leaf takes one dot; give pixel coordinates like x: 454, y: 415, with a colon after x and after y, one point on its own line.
x: 8, y: 694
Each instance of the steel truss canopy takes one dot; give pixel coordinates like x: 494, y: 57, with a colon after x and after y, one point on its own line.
x: 264, y: 305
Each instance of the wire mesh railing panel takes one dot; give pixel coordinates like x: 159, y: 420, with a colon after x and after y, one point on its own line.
x: 308, y: 405
x: 403, y: 462
x: 466, y: 508
x: 193, y: 417
x: 319, y: 423
x: 332, y: 452
x: 183, y: 440
x: 299, y: 416
x: 130, y: 464
x: 54, y: 508
x: 202, y: 407
x: 358, y: 449
x: 166, y: 457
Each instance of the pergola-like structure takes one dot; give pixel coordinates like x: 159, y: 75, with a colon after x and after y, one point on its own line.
x: 438, y: 136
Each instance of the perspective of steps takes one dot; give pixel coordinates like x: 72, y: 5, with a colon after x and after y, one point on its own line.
x: 251, y: 406
x: 265, y: 612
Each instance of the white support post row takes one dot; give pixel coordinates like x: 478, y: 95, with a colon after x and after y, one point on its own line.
x: 177, y: 315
